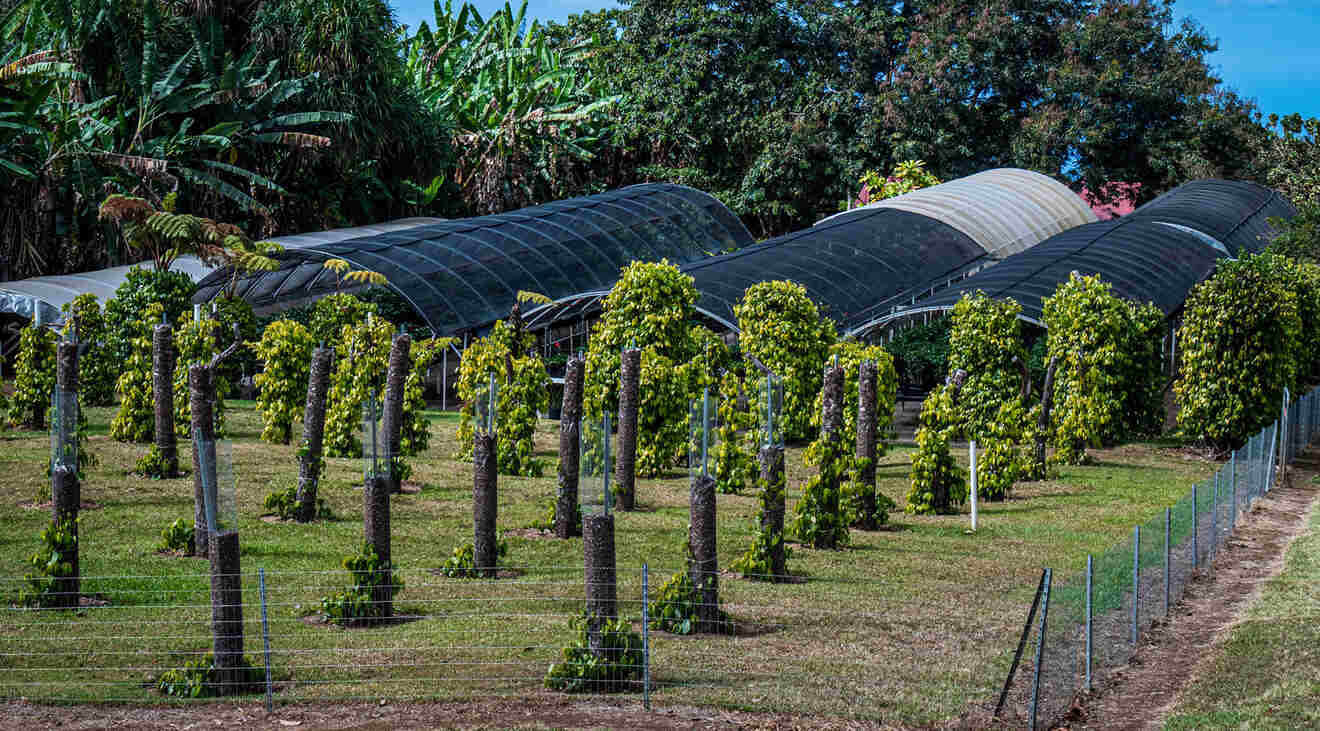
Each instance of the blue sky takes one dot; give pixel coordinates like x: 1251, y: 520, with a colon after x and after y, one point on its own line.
x: 1269, y: 50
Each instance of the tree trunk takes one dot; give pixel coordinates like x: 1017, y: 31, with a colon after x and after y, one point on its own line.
x: 201, y: 399
x: 598, y: 556
x: 310, y: 460
x: 66, y: 492
x: 376, y: 529
x: 227, y: 613
x: 400, y: 362
x: 163, y: 356
x: 832, y: 432
x: 485, y: 504
x: 1043, y: 420
x: 704, y: 568
x: 866, y: 443
x: 771, y: 460
x: 567, y: 522
x: 625, y: 463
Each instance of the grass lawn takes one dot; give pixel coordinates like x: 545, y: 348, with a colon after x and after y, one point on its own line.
x: 1268, y: 674
x: 912, y: 624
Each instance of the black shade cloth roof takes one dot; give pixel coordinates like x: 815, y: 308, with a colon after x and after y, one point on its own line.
x: 849, y: 265
x: 1232, y: 211
x: 1145, y: 261
x: 464, y: 274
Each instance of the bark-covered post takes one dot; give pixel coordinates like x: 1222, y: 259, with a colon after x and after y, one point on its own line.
x: 602, y: 596
x: 163, y: 357
x: 832, y: 432
x: 376, y: 513
x: 625, y: 472
x: 400, y: 363
x: 570, y: 439
x: 1043, y: 421
x: 310, y: 460
x: 771, y: 459
x: 704, y: 567
x: 66, y: 492
x: 866, y: 442
x: 484, y: 503
x: 201, y: 392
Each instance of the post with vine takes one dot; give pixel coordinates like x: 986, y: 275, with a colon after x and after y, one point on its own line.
x: 630, y: 374
x: 567, y: 516
x: 399, y: 364
x: 485, y: 476
x: 163, y: 358
x: 598, y: 554
x: 311, y: 462
x: 376, y: 504
x: 703, y: 561
x: 66, y: 492
x: 866, y: 442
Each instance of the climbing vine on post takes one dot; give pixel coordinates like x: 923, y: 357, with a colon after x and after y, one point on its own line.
x: 819, y: 519
x: 415, y: 436
x: 195, y: 340
x: 136, y: 419
x: 363, y: 354
x: 34, y: 377
x: 938, y: 483
x: 96, y: 366
x: 735, y: 467
x: 284, y: 350
x: 502, y: 352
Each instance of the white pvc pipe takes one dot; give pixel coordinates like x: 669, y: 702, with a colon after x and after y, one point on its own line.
x: 971, y: 450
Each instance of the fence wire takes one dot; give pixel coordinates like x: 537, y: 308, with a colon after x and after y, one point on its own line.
x: 1094, y: 628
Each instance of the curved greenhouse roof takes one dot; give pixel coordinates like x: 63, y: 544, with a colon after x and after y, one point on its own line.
x: 1232, y: 211
x: 1005, y: 210
x: 464, y: 274
x: 1143, y: 260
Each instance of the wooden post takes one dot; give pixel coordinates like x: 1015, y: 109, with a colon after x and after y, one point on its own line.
x: 201, y: 392
x: 1043, y: 421
x: 771, y: 459
x: 570, y: 439
x: 310, y: 459
x: 832, y: 431
x: 484, y: 504
x: 866, y: 442
x: 598, y: 556
x: 227, y: 613
x: 625, y: 464
x: 400, y: 363
x: 66, y: 492
x: 163, y: 356
x: 703, y: 568
x: 376, y: 530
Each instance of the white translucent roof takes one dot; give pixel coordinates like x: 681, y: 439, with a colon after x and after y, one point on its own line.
x: 1005, y: 210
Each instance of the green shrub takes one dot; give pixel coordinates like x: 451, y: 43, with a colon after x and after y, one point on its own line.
x: 141, y: 288
x: 675, y: 606
x: 231, y: 311
x: 755, y: 562
x: 197, y: 679
x: 921, y: 353
x: 415, y: 432
x: 283, y: 502
x: 34, y: 377
x: 49, y: 563
x: 285, y: 350
x: 618, y: 667
x: 136, y: 419
x: 519, y: 399
x: 651, y: 307
x: 933, y: 467
x: 462, y: 563
x: 363, y: 356
x: 331, y: 313
x: 819, y: 519
x: 195, y: 343
x: 178, y: 537
x: 96, y: 366
x: 735, y: 465
x: 985, y: 340
x: 781, y: 326
x: 1239, y: 339
x: 355, y: 603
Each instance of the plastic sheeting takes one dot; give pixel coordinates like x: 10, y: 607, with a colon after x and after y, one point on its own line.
x: 1005, y: 210
x: 1233, y: 212
x: 463, y: 274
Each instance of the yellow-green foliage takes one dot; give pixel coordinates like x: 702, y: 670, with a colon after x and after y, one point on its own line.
x: 1104, y: 346
x: 196, y: 344
x: 363, y: 352
x: 331, y: 313
x: 819, y: 518
x: 96, y: 365
x: 985, y: 338
x: 851, y: 353
x: 136, y: 419
x: 415, y: 432
x: 781, y: 326
x: 285, y: 351
x: 735, y: 463
x: 1240, y: 339
x: 932, y: 465
x: 519, y: 398
x: 651, y: 305
x: 34, y: 377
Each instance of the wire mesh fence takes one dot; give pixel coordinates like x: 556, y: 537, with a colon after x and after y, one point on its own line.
x: 1095, y: 620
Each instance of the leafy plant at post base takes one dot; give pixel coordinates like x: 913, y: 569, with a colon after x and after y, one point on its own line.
x: 547, y: 520
x: 151, y: 464
x: 755, y: 562
x: 735, y: 467
x: 462, y: 563
x: 195, y: 343
x: 136, y: 419
x: 618, y: 667
x: 141, y: 288
x: 283, y: 502
x: 1239, y: 338
x: 178, y: 537
x: 1106, y: 385
x: 197, y: 679
x: 819, y: 519
x: 933, y: 468
x: 355, y: 603
x: 676, y: 604
x: 363, y: 355
x: 285, y: 349
x: 781, y: 326
x: 49, y: 563
x: 332, y: 312
x: 34, y: 377
x: 651, y: 306
x: 96, y: 364
x: 519, y: 399
x: 415, y: 431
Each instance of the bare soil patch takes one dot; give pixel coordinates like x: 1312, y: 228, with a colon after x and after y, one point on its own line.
x: 1175, y: 653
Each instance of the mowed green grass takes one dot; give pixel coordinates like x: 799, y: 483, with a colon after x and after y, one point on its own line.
x: 1268, y: 675
x: 911, y: 624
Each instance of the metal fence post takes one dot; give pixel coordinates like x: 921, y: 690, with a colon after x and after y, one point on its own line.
x: 1040, y: 649
x: 1136, y: 580
x: 1196, y: 548
x: 265, y: 636
x: 1168, y: 514
x: 1232, y: 517
x: 646, y: 644
x: 1214, y: 521
x: 1089, y: 636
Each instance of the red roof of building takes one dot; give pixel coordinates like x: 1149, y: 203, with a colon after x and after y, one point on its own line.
x: 1123, y: 195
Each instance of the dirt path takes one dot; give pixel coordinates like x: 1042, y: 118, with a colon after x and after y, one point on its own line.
x: 1175, y: 654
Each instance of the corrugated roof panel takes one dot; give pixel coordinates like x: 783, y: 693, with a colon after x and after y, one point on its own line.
x: 1232, y: 211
